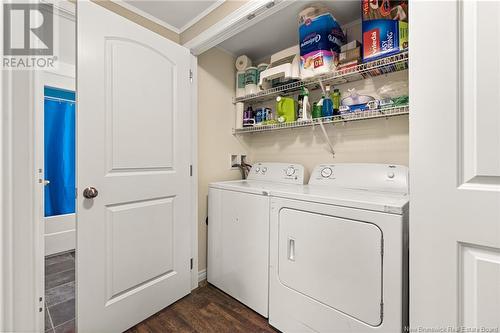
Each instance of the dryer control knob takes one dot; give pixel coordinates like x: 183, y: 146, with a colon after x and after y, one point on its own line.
x: 326, y: 172
x: 257, y: 169
x: 264, y: 169
x: 290, y: 171
x: 391, y: 175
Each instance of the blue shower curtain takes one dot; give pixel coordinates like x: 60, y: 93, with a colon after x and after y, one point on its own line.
x: 59, y: 137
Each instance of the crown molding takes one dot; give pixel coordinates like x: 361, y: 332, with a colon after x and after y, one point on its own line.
x: 164, y: 24
x: 201, y: 15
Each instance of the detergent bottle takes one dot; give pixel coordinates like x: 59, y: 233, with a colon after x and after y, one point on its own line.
x: 327, y: 107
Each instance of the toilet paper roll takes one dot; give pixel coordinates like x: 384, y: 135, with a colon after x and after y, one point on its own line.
x: 242, y: 62
x: 240, y: 83
x: 238, y: 121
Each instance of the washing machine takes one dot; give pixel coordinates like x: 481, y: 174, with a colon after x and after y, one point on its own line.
x: 238, y: 231
x: 339, y: 251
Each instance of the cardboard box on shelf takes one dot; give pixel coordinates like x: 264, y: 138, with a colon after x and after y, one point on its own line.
x: 382, y: 38
x: 347, y: 65
x: 385, y: 9
x: 350, y: 55
x: 349, y: 46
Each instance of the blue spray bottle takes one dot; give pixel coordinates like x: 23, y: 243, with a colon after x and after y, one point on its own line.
x: 327, y: 107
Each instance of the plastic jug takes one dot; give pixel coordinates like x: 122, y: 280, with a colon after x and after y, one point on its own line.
x: 286, y: 109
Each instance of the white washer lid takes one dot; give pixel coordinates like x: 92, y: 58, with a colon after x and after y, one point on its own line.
x: 254, y: 186
x: 387, y: 202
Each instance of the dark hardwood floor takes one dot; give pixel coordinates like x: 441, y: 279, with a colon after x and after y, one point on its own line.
x: 205, y: 310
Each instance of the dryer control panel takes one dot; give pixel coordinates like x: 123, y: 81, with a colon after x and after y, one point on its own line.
x: 289, y: 173
x: 363, y: 176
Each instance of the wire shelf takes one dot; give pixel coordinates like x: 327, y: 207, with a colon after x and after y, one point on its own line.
x: 361, y: 115
x: 394, y: 63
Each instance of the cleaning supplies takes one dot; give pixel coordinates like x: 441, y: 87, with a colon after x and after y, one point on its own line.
x: 248, y: 117
x: 336, y: 101
x: 304, y: 106
x: 286, y: 108
x: 327, y: 104
x: 355, y: 102
x: 316, y: 110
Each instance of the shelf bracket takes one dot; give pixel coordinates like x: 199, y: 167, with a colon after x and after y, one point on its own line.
x: 327, y: 139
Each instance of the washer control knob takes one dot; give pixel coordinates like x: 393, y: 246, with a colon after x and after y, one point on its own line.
x: 391, y: 175
x: 257, y: 169
x: 290, y: 171
x: 264, y: 169
x: 326, y: 172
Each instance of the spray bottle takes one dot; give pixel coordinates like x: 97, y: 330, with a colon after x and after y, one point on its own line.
x: 327, y: 108
x: 306, y: 106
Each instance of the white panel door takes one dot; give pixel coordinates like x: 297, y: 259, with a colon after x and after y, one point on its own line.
x: 133, y: 238
x: 455, y: 165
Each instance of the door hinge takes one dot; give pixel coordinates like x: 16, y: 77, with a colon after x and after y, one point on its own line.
x: 381, y: 311
x: 191, y: 263
x: 191, y: 170
x: 76, y: 192
x: 191, y: 76
x: 382, y: 247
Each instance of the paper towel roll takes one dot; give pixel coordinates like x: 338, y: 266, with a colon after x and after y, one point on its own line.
x: 240, y: 83
x: 242, y: 62
x: 238, y: 121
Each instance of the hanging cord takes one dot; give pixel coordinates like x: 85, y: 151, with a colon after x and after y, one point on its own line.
x: 245, y: 169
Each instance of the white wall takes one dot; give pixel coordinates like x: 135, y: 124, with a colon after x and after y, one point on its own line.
x: 216, y: 86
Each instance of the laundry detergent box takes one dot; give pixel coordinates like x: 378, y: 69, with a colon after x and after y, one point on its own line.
x: 320, y: 38
x: 382, y: 38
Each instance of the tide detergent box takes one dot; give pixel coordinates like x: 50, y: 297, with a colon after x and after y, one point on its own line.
x: 382, y: 38
x: 320, y: 39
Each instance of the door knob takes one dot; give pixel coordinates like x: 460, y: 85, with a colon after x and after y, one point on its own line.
x: 90, y: 192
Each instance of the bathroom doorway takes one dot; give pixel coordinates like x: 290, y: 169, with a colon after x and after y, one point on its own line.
x: 56, y: 125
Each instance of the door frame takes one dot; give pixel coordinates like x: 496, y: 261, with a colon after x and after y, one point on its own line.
x: 21, y: 237
x: 59, y: 78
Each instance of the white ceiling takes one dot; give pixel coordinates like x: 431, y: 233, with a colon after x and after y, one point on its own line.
x: 280, y: 30
x: 173, y: 14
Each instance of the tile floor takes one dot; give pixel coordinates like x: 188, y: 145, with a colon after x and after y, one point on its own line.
x: 60, y: 293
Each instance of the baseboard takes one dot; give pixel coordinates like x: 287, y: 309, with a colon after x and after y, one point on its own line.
x: 60, y: 242
x: 202, y: 275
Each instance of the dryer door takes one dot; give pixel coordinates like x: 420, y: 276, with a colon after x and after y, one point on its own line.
x: 335, y: 261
